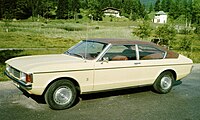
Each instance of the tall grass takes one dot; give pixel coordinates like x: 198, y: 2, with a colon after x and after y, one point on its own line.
x: 2, y: 76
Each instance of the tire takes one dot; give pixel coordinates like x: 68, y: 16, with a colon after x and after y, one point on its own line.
x: 164, y: 82
x: 61, y: 95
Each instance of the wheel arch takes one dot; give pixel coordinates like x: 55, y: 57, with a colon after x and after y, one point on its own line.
x: 64, y: 78
x: 172, y: 71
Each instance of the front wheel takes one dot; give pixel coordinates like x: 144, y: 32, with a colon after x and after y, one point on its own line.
x: 164, y: 82
x: 61, y: 95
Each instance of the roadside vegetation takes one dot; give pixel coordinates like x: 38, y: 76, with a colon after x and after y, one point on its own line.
x: 51, y: 27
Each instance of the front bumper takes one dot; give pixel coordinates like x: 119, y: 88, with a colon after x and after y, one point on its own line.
x: 20, y: 84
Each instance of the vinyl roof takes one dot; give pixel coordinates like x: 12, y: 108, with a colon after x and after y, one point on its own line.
x: 117, y: 41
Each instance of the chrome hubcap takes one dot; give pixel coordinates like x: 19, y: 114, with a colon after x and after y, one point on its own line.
x: 62, y: 95
x: 166, y: 82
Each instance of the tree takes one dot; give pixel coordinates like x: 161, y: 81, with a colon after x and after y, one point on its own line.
x: 62, y: 11
x: 186, y: 43
x: 1, y: 9
x: 49, y: 9
x: 95, y: 10
x: 143, y: 31
x: 157, y: 6
x: 23, y: 11
x: 196, y: 16
x: 166, y: 34
x: 150, y: 8
x: 75, y: 8
x: 84, y: 4
x: 142, y: 11
x: 129, y: 6
x: 133, y: 9
x: 118, y: 4
x: 163, y: 5
x: 34, y: 5
x: 196, y: 12
x: 197, y: 31
x: 176, y: 9
x: 8, y: 8
x: 168, y: 5
x: 187, y: 12
x: 106, y: 3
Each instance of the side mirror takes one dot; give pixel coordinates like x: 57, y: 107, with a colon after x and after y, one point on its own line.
x: 105, y: 59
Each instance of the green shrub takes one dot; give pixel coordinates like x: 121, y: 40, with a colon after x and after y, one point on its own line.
x: 7, y: 54
x: 185, y: 44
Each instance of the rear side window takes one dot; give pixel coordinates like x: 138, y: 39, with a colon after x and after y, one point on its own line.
x: 147, y: 52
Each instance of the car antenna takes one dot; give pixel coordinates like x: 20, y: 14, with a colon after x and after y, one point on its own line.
x: 86, y: 43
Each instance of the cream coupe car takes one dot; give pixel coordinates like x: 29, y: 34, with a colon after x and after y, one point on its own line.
x: 96, y: 65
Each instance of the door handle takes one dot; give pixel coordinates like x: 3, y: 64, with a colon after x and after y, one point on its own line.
x: 137, y: 63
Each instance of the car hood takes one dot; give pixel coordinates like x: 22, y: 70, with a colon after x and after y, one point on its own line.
x: 48, y: 63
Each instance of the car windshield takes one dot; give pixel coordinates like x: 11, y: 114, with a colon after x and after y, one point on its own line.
x: 87, y: 49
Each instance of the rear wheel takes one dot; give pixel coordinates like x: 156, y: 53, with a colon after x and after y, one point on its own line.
x: 164, y: 82
x: 61, y: 95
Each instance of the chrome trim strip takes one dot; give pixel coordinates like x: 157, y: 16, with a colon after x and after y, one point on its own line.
x: 112, y: 68
x: 116, y: 89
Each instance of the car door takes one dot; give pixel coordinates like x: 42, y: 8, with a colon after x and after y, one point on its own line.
x: 152, y: 63
x: 117, y: 68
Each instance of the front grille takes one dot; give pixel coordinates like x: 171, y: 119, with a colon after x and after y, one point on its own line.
x: 14, y: 72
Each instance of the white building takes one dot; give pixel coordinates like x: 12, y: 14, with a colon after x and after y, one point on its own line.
x: 160, y: 17
x: 110, y: 11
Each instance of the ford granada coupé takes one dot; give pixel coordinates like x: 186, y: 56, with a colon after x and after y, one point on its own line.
x: 96, y: 65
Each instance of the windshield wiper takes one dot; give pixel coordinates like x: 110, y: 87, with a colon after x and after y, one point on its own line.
x: 79, y: 55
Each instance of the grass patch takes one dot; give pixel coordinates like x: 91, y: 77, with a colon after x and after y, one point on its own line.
x: 2, y: 76
x: 25, y: 40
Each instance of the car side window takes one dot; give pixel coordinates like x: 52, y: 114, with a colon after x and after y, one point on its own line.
x: 121, y: 52
x: 147, y: 52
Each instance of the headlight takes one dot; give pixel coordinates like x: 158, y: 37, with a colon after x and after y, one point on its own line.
x: 7, y: 67
x: 23, y: 76
x: 26, y: 77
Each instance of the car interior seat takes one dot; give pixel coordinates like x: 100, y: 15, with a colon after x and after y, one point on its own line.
x: 130, y: 54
